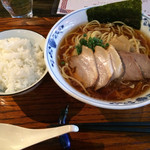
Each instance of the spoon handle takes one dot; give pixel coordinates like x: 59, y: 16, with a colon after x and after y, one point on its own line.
x: 16, y: 138
x: 39, y: 135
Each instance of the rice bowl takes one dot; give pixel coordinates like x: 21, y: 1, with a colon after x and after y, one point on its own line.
x: 22, y: 61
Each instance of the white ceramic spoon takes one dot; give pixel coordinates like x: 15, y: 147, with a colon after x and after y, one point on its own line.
x: 15, y: 138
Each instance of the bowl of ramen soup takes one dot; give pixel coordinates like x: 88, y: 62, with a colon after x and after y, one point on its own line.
x: 106, y: 65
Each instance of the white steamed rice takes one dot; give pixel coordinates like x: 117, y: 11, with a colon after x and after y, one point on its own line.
x: 21, y: 64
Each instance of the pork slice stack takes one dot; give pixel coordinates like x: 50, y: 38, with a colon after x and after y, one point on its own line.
x: 101, y: 67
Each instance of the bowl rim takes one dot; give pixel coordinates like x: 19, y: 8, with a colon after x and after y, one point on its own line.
x: 76, y: 94
x: 35, y: 84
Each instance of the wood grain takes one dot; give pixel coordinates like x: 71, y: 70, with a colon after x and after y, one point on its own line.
x: 42, y: 106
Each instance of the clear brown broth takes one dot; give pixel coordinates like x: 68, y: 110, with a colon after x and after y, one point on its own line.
x: 115, y: 90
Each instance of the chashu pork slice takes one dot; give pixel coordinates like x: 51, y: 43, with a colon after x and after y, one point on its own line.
x: 84, y: 66
x: 121, y: 43
x: 144, y: 62
x: 104, y: 67
x: 132, y: 69
x: 116, y: 61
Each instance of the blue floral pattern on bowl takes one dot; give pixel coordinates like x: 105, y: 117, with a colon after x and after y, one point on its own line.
x: 52, y: 43
x: 128, y: 102
x: 146, y: 21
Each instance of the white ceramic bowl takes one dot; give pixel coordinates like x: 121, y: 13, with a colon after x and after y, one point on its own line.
x: 34, y: 37
x: 53, y: 40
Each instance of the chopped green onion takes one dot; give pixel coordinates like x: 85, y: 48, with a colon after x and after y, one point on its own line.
x: 84, y: 35
x: 90, y: 43
x: 62, y: 62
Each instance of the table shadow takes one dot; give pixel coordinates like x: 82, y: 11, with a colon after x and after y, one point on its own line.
x: 45, y: 103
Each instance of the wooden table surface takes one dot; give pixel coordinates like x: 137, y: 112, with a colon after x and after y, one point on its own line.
x: 41, y: 108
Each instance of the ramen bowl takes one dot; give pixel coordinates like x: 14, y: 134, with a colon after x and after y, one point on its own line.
x: 53, y: 40
x: 17, y: 48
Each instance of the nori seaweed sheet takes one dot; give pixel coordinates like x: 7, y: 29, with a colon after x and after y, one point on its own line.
x: 128, y: 12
